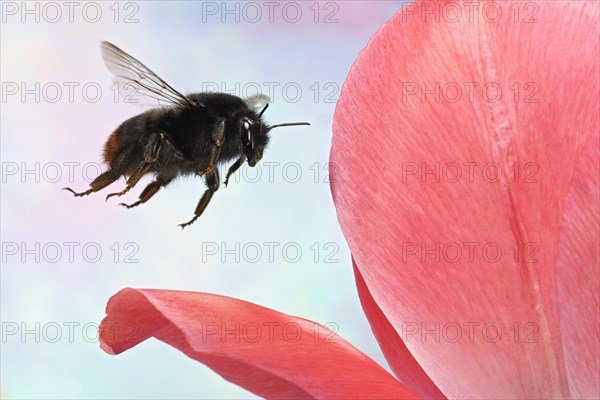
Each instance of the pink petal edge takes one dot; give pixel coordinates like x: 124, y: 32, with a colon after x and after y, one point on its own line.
x: 579, y: 282
x: 271, y: 354
x: 404, y: 365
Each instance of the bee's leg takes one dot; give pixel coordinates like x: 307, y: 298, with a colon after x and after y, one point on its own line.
x: 234, y: 167
x: 149, y: 191
x: 212, y: 181
x: 102, y: 181
x: 218, y: 135
x: 151, y: 152
x: 152, y: 148
x: 134, y: 178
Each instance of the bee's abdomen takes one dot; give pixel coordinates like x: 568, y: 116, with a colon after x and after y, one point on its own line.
x: 111, y: 146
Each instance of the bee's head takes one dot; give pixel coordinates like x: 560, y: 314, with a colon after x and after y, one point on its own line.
x: 254, y: 139
x: 255, y: 132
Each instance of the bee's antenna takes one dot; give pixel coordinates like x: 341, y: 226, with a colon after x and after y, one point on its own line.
x: 263, y: 110
x: 279, y: 125
x: 289, y: 124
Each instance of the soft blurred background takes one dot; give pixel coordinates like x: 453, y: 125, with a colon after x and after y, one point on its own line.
x: 63, y: 257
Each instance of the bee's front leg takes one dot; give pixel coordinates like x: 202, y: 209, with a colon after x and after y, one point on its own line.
x: 234, y: 167
x: 217, y: 135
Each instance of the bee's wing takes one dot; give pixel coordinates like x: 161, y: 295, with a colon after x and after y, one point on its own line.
x: 257, y: 102
x: 136, y: 82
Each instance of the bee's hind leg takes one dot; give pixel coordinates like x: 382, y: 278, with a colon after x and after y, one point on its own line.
x: 149, y: 191
x: 212, y: 181
x: 151, y: 153
x: 102, y: 181
x: 134, y: 178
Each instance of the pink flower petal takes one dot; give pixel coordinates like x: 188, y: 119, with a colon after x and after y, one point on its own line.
x: 404, y: 365
x: 468, y: 260
x: 269, y: 353
x: 579, y: 281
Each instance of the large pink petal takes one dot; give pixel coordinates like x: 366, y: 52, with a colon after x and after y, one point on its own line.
x: 404, y: 365
x: 273, y: 355
x: 406, y: 224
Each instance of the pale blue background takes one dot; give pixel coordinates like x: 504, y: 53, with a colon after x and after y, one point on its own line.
x: 189, y: 49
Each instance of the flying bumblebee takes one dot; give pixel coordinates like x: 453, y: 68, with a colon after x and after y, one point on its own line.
x: 189, y: 134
